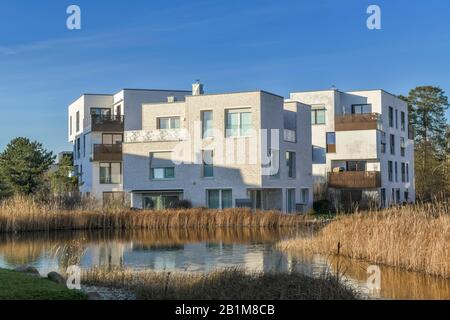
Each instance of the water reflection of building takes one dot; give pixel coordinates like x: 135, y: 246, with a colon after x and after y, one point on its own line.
x: 107, y: 254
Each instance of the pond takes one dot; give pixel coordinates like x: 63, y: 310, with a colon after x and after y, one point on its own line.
x: 203, y: 251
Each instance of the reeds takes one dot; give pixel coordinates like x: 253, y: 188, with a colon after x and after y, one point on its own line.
x: 227, y: 284
x: 21, y: 214
x: 415, y: 238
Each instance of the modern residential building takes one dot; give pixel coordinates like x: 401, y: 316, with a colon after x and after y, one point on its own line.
x: 96, y: 124
x: 363, y: 148
x: 155, y: 147
x: 246, y: 149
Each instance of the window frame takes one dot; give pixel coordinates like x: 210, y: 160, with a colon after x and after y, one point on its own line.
x: 315, y: 111
x: 110, y: 180
x: 207, y: 132
x: 172, y: 122
x: 229, y: 130
x: 221, y: 203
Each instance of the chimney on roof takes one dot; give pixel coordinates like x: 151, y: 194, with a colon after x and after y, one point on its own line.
x: 197, y: 88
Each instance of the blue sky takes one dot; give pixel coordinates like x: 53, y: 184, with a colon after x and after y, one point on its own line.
x: 278, y: 46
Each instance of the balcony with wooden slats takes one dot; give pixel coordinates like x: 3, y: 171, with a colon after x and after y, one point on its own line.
x: 351, y: 122
x: 107, y: 152
x: 354, y: 180
x: 107, y: 123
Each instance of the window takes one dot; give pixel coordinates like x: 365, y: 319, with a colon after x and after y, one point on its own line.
x: 383, y: 142
x: 207, y: 124
x: 393, y: 196
x: 331, y: 142
x: 391, y: 117
x: 161, y: 166
x: 70, y: 125
x: 208, y: 164
x: 168, y: 123
x: 396, y: 171
x: 77, y: 121
x: 403, y: 121
x: 396, y: 118
x: 112, y: 138
x: 290, y: 162
x: 100, y: 112
x: 403, y: 172
x: 290, y: 200
x: 78, y: 148
x: 238, y: 122
x: 392, y: 144
x: 84, y: 145
x: 390, y: 171
x: 110, y: 173
x: 219, y: 199
x: 356, y: 165
x: 383, y: 197
x: 274, y: 169
x: 80, y: 175
x: 402, y: 146
x: 318, y: 116
x: 397, y: 196
x: 361, y: 108
x: 407, y: 172
x: 407, y: 196
x: 305, y: 196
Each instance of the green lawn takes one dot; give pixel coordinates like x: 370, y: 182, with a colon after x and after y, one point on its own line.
x: 20, y: 286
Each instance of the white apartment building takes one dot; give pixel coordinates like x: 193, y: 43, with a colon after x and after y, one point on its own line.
x: 363, y: 147
x: 246, y: 149
x: 96, y: 125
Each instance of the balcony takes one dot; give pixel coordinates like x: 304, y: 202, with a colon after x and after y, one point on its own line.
x: 107, y: 152
x: 109, y: 123
x: 351, y: 122
x: 163, y: 135
x: 354, y: 180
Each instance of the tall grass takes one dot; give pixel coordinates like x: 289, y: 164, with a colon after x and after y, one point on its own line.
x: 228, y: 284
x: 22, y: 214
x: 415, y: 238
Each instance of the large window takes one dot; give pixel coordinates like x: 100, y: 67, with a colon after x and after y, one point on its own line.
x: 161, y: 166
x: 110, y: 173
x: 403, y: 172
x: 100, y: 111
x: 112, y: 138
x: 208, y: 164
x: 403, y: 121
x: 391, y: 117
x: 392, y: 143
x: 219, y: 199
x: 168, y: 123
x: 290, y: 200
x: 331, y: 142
x: 390, y: 171
x: 207, y: 124
x: 290, y: 162
x: 361, y: 108
x: 318, y: 116
x: 402, y: 146
x: 77, y: 126
x: 356, y: 165
x: 383, y: 142
x: 238, y: 123
x: 396, y: 171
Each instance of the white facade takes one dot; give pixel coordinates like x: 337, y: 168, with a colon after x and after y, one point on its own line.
x: 359, y: 161
x: 239, y: 171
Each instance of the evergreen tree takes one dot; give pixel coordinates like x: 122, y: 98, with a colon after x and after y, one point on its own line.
x: 23, y: 164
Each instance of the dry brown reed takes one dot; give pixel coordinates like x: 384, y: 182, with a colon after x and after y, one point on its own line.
x: 227, y: 284
x: 20, y: 214
x: 415, y: 238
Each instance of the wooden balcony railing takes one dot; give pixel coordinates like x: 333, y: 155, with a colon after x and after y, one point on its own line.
x: 354, y: 180
x: 107, y: 152
x: 350, y: 122
x: 109, y: 123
